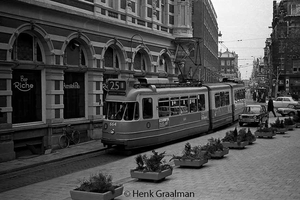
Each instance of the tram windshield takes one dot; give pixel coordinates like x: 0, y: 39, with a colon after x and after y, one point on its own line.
x: 122, y: 111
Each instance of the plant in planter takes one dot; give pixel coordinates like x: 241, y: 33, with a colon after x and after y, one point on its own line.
x: 215, y: 148
x: 98, y: 186
x: 191, y: 156
x: 249, y: 136
x: 296, y: 119
x: 279, y: 126
x: 265, y: 131
x: 151, y: 168
x: 289, y: 123
x: 233, y: 139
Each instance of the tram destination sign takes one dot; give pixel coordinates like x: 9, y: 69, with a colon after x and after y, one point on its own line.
x: 117, y: 87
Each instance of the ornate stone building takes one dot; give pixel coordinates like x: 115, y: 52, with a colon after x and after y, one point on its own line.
x: 285, y: 46
x: 56, y: 55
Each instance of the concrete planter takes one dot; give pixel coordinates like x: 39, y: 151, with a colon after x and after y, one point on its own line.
x: 190, y: 163
x: 155, y: 176
x: 290, y: 127
x: 281, y: 130
x: 235, y: 145
x: 268, y: 134
x: 220, y: 154
x: 83, y: 195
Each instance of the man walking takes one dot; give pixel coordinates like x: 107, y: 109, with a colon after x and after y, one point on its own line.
x: 271, y: 106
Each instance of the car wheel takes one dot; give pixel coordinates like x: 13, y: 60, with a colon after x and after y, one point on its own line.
x: 291, y: 114
x: 241, y: 124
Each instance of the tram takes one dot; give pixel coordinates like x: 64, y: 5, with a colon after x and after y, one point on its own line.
x: 153, y: 111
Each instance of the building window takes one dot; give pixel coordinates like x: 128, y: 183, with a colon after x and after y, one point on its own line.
x: 296, y: 66
x: 295, y: 9
x: 27, y: 96
x: 123, y: 4
x: 223, y: 62
x: 140, y: 61
x: 111, y: 58
x: 27, y: 48
x: 74, y: 101
x: 74, y: 54
x: 182, y: 15
x: 149, y: 12
x: 171, y: 8
x: 228, y: 62
x: 171, y: 19
x: 133, y: 6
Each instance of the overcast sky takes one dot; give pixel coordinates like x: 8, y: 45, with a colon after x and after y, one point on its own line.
x: 244, y: 25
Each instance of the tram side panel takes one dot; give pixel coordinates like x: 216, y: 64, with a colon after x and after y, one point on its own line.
x: 220, y: 105
x: 238, y: 99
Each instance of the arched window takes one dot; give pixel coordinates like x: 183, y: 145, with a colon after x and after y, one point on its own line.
x: 163, y: 64
x: 74, y: 54
x: 111, y: 58
x: 27, y: 48
x: 140, y: 61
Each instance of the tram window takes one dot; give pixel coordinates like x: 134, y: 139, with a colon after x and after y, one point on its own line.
x: 175, y: 109
x: 217, y: 100
x: 227, y: 98
x: 147, y: 108
x: 193, y: 103
x: 222, y: 97
x: 115, y: 110
x: 184, y: 104
x: 163, y: 107
x: 201, y: 102
x: 131, y: 111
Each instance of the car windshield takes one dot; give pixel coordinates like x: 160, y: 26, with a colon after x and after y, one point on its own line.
x: 251, y: 110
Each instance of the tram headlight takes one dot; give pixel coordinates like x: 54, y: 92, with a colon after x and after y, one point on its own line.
x: 105, y: 126
x: 112, y: 131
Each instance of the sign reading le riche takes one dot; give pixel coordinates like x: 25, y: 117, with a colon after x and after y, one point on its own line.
x: 22, y: 85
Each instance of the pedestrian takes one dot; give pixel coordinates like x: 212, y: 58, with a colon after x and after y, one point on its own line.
x: 271, y: 106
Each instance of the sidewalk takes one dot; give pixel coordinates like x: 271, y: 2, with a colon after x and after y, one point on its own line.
x: 59, y: 154
x: 268, y: 169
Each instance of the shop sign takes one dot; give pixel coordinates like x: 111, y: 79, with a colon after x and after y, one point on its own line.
x: 22, y: 85
x: 74, y: 85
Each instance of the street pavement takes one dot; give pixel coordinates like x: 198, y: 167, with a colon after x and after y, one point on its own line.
x: 268, y: 169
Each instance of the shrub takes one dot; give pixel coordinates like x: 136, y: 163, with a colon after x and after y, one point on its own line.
x: 154, y: 163
x: 192, y: 153
x: 288, y: 121
x: 213, y: 145
x: 278, y: 123
x: 98, y: 183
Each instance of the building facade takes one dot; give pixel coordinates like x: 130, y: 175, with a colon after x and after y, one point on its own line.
x: 56, y: 56
x: 205, y: 27
x: 285, y: 46
x: 228, y: 62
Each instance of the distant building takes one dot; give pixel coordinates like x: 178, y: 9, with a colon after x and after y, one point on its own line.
x: 229, y: 65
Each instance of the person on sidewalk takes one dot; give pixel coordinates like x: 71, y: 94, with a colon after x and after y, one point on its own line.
x: 271, y: 106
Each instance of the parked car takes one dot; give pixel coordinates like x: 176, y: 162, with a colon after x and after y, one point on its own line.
x: 283, y: 102
x: 254, y: 114
x: 291, y: 110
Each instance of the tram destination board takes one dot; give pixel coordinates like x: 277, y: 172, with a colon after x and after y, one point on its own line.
x: 117, y: 87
